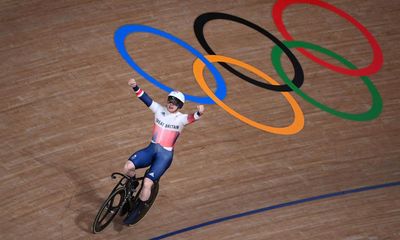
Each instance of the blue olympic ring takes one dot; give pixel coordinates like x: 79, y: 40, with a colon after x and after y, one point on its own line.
x: 124, y: 31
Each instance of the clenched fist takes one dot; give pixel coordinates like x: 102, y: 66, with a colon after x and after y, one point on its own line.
x: 132, y: 82
x: 200, y: 109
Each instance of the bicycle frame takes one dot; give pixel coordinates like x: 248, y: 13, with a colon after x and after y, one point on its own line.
x: 121, y: 183
x: 129, y: 197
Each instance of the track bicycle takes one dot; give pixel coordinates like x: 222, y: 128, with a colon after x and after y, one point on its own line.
x: 122, y: 200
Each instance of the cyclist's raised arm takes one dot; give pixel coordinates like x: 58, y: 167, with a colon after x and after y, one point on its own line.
x: 142, y: 95
x: 194, y: 116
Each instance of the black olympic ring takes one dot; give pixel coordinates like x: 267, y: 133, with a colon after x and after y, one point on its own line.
x: 201, y: 20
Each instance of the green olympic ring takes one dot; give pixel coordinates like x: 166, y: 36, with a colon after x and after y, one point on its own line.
x: 372, y: 113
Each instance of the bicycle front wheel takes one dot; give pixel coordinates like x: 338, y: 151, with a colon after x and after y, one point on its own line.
x: 108, y: 210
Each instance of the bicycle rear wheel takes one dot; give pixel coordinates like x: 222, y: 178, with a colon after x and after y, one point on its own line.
x: 108, y: 210
x: 153, y: 196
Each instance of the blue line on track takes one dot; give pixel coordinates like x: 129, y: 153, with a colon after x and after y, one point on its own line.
x: 282, y: 205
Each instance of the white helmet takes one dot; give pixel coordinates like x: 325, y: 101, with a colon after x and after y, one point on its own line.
x: 177, y: 96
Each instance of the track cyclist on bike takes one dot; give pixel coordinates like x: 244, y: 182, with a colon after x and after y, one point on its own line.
x: 168, y: 124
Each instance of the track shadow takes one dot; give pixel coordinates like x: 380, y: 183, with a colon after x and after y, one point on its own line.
x: 87, y: 197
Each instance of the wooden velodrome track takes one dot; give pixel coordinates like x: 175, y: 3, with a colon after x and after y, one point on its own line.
x: 68, y: 120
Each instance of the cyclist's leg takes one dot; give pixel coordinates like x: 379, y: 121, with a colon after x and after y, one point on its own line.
x: 139, y: 159
x: 129, y: 168
x: 161, y: 163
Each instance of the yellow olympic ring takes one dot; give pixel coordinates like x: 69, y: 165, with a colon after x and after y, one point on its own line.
x: 295, y: 127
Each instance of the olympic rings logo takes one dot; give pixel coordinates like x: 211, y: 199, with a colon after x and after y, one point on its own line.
x: 281, y: 47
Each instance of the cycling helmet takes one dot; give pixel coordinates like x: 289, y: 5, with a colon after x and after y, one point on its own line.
x: 177, y: 98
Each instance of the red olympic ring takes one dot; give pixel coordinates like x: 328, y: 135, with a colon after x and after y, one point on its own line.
x: 377, y: 61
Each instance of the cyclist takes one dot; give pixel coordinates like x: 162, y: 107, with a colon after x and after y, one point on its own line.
x: 168, y: 124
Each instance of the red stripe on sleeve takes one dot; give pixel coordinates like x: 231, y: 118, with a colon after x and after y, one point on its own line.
x: 190, y: 118
x: 139, y: 93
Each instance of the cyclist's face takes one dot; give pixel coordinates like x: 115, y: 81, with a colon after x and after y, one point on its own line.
x: 171, y: 107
